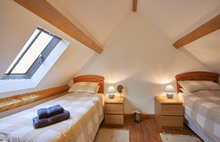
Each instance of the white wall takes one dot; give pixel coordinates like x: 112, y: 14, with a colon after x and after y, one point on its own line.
x: 17, y: 25
x: 140, y: 56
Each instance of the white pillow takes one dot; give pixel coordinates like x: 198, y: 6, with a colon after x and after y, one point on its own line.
x: 86, y: 87
x: 97, y: 89
x: 180, y: 97
x: 184, y: 90
x: 192, y: 86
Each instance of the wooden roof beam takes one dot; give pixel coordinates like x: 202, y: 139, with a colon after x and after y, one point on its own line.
x: 47, y: 12
x: 207, y: 28
x: 134, y: 5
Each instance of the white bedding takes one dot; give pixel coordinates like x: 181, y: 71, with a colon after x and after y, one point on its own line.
x: 86, y: 115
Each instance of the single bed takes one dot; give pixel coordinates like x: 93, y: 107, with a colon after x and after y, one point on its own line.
x: 86, y: 115
x: 201, y: 100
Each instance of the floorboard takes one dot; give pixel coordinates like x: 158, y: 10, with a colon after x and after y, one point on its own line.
x: 148, y: 130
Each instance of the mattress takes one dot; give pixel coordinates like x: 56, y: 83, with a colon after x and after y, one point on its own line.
x: 202, y: 108
x: 86, y: 115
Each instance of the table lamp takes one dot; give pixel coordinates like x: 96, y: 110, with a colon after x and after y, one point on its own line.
x: 169, y: 90
x: 111, y: 91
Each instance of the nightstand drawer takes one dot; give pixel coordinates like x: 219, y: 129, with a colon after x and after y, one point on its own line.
x: 114, y: 119
x: 171, y: 110
x: 172, y: 121
x: 168, y: 112
x: 114, y: 108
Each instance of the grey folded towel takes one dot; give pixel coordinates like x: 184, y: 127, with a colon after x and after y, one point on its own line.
x: 50, y: 111
x: 37, y: 122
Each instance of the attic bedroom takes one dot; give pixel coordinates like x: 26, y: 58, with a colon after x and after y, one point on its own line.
x: 119, y: 70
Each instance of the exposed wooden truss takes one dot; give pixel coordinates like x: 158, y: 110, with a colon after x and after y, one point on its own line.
x: 44, y: 10
x: 207, y: 28
x: 134, y: 5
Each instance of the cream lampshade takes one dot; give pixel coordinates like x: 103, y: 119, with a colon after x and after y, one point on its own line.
x: 111, y: 91
x: 169, y: 90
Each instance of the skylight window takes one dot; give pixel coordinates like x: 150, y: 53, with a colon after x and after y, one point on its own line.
x: 32, y: 55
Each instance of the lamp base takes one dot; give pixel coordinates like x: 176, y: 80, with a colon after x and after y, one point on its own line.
x: 111, y: 96
x: 170, y: 95
x: 120, y: 97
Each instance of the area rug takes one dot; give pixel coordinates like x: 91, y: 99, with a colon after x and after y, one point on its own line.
x: 179, y: 138
x: 112, y: 135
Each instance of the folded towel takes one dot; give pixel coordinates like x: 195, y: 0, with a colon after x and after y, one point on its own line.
x: 50, y: 111
x: 37, y: 123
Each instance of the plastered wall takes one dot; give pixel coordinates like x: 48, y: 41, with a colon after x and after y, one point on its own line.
x: 139, y: 56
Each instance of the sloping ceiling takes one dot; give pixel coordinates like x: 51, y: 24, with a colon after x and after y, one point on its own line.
x: 138, y: 51
x: 17, y: 25
x: 207, y: 50
x: 178, y: 18
x: 99, y: 18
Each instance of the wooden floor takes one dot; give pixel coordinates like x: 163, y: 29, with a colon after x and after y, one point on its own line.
x: 148, y: 130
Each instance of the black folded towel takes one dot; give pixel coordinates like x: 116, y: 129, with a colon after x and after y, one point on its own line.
x: 50, y: 111
x: 37, y: 123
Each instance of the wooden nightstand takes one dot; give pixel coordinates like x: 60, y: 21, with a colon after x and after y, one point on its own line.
x: 114, y: 111
x: 168, y: 112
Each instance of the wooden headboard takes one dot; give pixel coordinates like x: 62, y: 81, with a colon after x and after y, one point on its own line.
x: 199, y: 75
x: 91, y: 78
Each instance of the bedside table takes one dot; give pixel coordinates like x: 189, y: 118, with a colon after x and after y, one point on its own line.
x: 114, y: 111
x: 168, y: 112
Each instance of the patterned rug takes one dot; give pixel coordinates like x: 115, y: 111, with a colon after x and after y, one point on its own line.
x: 179, y: 138
x: 112, y: 135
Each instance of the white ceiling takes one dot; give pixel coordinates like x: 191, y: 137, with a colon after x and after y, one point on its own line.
x: 207, y: 50
x: 179, y: 17
x: 99, y: 18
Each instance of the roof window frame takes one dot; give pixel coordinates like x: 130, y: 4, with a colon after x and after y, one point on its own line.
x: 38, y: 61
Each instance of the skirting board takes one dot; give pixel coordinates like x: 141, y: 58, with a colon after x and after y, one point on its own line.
x: 144, y: 116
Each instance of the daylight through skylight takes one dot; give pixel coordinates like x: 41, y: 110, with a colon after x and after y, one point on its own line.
x: 31, y: 55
